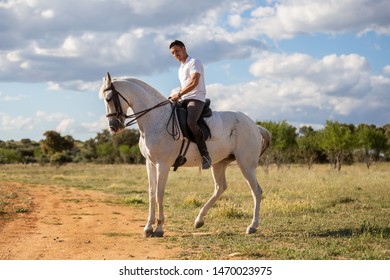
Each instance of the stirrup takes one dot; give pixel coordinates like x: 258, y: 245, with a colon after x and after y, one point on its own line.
x: 180, y: 160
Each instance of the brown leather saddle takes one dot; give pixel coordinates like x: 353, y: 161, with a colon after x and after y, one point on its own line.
x: 181, y: 113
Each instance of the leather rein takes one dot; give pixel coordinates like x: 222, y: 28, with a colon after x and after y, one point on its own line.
x: 116, y: 95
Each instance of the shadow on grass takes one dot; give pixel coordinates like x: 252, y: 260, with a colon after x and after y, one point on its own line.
x: 351, y: 232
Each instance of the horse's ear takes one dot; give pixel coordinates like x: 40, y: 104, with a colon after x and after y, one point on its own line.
x: 108, y: 80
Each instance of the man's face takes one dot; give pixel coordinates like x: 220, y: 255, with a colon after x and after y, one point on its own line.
x: 179, y: 53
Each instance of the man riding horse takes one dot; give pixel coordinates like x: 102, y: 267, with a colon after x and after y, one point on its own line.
x: 192, y: 94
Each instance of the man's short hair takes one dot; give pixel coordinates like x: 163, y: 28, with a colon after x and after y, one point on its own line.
x: 177, y: 43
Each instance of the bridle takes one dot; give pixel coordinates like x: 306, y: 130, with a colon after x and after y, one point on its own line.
x: 116, y: 95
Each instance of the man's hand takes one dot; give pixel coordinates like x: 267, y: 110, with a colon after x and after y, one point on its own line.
x: 175, y: 96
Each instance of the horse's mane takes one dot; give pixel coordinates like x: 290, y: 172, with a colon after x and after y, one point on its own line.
x: 141, y: 84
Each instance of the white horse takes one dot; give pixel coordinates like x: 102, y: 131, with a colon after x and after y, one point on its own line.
x: 240, y: 139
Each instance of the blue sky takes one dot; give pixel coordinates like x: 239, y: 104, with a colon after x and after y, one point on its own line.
x: 297, y: 60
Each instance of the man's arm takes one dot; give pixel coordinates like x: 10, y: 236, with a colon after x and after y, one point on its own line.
x: 194, y: 81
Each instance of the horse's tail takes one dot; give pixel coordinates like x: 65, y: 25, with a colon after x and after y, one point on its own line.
x: 266, y: 137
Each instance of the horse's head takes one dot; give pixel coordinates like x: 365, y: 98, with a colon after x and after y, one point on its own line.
x: 115, y: 109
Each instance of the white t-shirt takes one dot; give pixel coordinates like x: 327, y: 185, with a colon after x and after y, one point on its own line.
x: 190, y: 67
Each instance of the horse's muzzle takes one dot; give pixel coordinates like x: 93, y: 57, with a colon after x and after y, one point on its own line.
x: 115, y: 125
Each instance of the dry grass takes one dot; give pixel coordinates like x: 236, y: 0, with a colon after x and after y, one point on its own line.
x: 12, y: 202
x: 305, y: 214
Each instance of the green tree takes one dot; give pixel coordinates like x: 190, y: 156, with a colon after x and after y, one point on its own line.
x: 60, y: 158
x: 136, y: 155
x: 9, y: 156
x: 103, y: 137
x: 386, y: 129
x: 130, y: 154
x: 88, y: 152
x: 106, y: 152
x: 54, y: 143
x: 128, y: 137
x: 127, y: 145
x: 125, y: 153
x: 308, y: 144
x: 283, y: 140
x: 371, y: 142
x: 27, y: 150
x: 338, y: 141
x: 114, y: 148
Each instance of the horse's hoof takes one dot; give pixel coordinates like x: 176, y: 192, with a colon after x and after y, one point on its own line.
x: 158, y: 233
x: 251, y: 230
x: 148, y: 233
x: 199, y: 224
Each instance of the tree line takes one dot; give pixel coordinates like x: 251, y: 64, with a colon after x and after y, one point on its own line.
x: 55, y: 149
x: 336, y: 144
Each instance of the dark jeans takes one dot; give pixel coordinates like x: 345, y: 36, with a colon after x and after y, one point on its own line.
x: 194, y: 109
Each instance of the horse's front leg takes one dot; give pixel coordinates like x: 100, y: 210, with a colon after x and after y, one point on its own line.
x: 152, y: 176
x: 162, y: 176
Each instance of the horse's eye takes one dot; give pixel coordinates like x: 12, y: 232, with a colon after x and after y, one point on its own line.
x: 109, y: 96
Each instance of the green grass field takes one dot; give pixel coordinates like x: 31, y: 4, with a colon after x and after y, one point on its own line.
x: 305, y: 214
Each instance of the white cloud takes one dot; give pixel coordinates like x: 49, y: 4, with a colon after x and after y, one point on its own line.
x: 48, y: 13
x: 13, y: 56
x: 94, y: 127
x: 43, y: 121
x: 78, y: 85
x: 64, y: 126
x: 46, y: 121
x: 345, y: 75
x: 71, y: 47
x: 25, y: 65
x: 8, y: 122
x: 263, y: 12
x: 53, y: 86
x: 51, y: 117
x: 235, y: 20
x: 288, y: 18
x: 7, y: 98
x: 133, y: 37
x: 32, y: 3
x: 298, y: 87
x: 386, y: 69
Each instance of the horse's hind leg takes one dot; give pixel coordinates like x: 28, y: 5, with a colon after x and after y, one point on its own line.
x: 249, y: 172
x: 218, y: 171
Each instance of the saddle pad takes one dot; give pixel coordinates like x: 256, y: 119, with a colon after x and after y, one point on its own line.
x: 216, y: 126
x: 214, y: 123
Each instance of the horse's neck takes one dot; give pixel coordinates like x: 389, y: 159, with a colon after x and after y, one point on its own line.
x: 142, y: 97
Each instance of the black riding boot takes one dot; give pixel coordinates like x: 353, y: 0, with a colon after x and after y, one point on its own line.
x: 194, y: 109
x: 206, y: 160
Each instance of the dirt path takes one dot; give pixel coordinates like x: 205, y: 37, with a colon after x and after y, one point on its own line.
x: 72, y: 224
